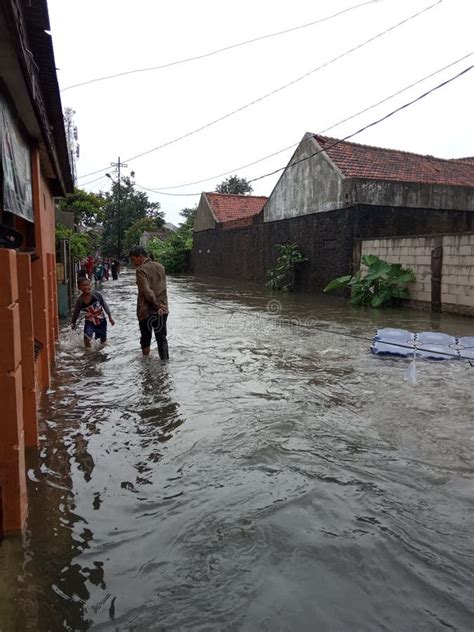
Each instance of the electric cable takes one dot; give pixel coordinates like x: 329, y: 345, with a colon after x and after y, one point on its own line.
x: 414, y: 347
x: 140, y: 186
x: 220, y: 50
x: 341, y: 140
x: 363, y: 129
x: 327, y: 129
x: 346, y: 334
x: 95, y: 180
x: 276, y: 90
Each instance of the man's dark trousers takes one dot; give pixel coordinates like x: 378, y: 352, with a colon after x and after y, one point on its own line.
x: 156, y: 323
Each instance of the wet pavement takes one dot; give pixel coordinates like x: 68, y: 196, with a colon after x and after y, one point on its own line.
x: 272, y: 476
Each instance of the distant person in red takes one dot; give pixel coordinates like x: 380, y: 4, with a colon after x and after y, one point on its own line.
x: 89, y: 266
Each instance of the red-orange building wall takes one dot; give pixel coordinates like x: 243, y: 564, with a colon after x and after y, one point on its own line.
x: 28, y: 319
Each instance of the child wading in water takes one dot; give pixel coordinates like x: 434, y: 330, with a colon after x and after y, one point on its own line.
x: 94, y: 305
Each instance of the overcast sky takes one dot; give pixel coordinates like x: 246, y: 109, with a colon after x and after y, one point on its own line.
x: 133, y: 114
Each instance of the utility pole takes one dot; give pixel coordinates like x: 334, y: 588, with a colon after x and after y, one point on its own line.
x: 118, y: 165
x: 72, y: 141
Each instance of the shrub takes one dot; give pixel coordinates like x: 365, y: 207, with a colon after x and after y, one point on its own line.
x: 383, y: 284
x: 173, y: 251
x: 282, y: 276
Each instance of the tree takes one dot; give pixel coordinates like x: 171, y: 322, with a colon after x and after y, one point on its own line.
x: 173, y: 251
x: 189, y: 214
x: 133, y: 234
x: 79, y: 242
x: 88, y: 208
x: 234, y: 185
x: 134, y: 205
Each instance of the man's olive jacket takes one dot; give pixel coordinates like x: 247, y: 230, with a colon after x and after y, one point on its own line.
x: 151, y: 282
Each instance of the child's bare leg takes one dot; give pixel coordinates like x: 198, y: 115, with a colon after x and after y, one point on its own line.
x: 87, y: 342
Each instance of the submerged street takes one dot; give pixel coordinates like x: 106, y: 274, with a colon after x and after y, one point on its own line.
x: 273, y: 476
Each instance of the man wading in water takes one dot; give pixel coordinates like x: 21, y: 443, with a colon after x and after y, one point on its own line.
x: 152, y: 303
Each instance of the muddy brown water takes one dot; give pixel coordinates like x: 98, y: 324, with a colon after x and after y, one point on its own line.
x: 272, y: 476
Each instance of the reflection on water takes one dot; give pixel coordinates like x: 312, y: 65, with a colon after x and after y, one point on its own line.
x: 272, y: 476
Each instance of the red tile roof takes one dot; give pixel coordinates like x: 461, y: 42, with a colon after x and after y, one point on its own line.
x: 468, y: 159
x: 230, y: 207
x: 377, y: 163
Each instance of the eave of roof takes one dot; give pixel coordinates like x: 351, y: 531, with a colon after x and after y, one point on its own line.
x: 47, y: 101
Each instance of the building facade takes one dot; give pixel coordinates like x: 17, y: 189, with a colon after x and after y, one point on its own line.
x: 34, y: 170
x: 333, y: 196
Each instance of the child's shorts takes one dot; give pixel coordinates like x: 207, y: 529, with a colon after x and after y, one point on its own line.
x: 99, y: 331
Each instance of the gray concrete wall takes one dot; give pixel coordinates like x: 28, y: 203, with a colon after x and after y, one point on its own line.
x: 316, y: 185
x: 411, y: 195
x: 204, y: 219
x: 312, y: 186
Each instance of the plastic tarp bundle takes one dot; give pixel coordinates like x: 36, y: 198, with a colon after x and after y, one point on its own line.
x: 16, y: 165
x: 427, y: 344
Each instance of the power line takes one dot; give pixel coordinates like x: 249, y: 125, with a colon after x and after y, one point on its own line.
x: 327, y: 129
x: 337, y: 142
x: 165, y: 193
x: 94, y: 180
x: 221, y: 50
x: 362, y: 129
x: 276, y: 90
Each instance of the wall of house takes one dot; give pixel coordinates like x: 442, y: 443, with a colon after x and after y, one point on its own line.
x: 204, y: 218
x: 12, y: 438
x: 44, y: 273
x: 247, y: 253
x: 457, y: 266
x: 410, y: 195
x: 326, y: 239
x: 28, y: 319
x: 316, y: 185
x: 311, y: 186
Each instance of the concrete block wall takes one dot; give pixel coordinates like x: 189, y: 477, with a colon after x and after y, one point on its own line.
x: 457, y: 270
x: 411, y: 252
x: 457, y: 287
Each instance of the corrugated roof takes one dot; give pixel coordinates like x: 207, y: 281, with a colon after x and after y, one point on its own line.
x: 231, y: 207
x: 377, y: 163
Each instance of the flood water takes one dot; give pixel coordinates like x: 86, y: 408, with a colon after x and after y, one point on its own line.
x: 273, y: 476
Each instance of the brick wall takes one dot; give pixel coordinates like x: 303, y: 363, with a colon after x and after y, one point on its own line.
x: 457, y: 269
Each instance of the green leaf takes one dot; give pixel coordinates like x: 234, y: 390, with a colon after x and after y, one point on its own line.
x: 377, y: 301
x: 369, y: 260
x: 378, y: 270
x: 337, y: 284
